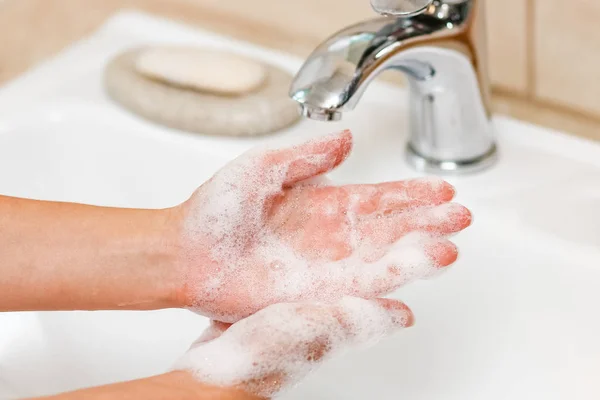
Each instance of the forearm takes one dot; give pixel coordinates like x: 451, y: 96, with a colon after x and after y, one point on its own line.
x: 63, y: 256
x: 171, y: 386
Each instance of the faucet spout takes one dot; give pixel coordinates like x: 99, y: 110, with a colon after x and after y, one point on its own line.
x: 442, y: 52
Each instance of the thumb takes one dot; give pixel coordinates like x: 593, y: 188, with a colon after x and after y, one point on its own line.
x: 311, y: 158
x: 214, y: 331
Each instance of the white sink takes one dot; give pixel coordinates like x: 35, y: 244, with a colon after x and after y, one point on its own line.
x: 516, y: 318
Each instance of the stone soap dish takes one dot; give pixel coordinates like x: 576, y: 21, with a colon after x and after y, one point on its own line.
x: 201, y: 90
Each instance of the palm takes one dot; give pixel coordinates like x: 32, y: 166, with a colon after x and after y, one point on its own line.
x: 328, y: 223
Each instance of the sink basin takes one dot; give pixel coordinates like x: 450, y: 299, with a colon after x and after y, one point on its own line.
x: 515, y: 318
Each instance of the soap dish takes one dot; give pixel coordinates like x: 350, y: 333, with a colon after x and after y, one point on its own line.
x: 265, y: 109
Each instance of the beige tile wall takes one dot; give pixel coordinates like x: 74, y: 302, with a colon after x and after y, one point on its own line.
x: 567, y: 53
x: 507, y: 27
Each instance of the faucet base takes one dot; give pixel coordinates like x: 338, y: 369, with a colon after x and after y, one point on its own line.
x: 449, y: 167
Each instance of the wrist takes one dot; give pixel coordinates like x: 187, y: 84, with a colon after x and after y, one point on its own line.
x: 184, y: 382
x: 189, y: 264
x: 164, y: 248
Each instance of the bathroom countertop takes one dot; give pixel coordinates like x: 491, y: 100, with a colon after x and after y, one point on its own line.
x: 33, y: 30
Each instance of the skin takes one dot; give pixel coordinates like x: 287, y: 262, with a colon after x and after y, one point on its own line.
x: 98, y: 258
x: 286, y: 352
x: 90, y: 260
x: 177, y: 385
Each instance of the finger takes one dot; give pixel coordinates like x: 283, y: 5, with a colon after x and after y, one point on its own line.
x: 438, y: 254
x: 442, y: 253
x: 390, y: 197
x: 444, y: 219
x: 311, y: 158
x: 408, y: 263
x: 400, y: 314
x: 368, y: 320
x: 440, y: 220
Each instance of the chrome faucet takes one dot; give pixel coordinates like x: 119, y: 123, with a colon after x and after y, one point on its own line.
x: 441, y: 48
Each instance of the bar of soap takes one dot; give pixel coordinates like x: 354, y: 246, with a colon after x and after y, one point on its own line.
x: 201, y: 69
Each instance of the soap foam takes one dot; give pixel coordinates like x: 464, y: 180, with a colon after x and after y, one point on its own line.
x: 250, y: 266
x: 288, y: 341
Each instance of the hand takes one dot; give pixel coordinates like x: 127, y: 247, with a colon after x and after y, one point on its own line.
x: 277, y: 347
x: 257, y: 233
